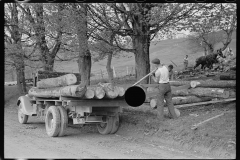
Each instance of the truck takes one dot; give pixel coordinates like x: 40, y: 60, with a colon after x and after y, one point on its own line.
x: 60, y: 112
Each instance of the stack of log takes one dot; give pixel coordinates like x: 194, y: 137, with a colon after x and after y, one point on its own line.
x: 66, y: 85
x: 189, y: 92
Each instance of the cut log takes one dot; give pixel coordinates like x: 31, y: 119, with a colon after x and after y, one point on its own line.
x: 99, y: 92
x: 51, y: 74
x: 65, y: 80
x: 183, y: 100
x: 186, y: 86
x: 213, y: 84
x: 121, y: 91
x: 202, y: 92
x: 153, y: 103
x: 111, y: 91
x: 209, y: 92
x: 89, y: 94
x: 203, y: 103
x: 179, y: 83
x: 153, y: 91
x: 228, y: 77
x: 71, y: 91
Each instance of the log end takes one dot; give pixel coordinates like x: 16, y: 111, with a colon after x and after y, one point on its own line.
x: 153, y: 103
x: 89, y: 94
x: 226, y: 94
x: 194, y: 84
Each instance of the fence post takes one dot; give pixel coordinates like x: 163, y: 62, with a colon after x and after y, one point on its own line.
x: 114, y: 73
x: 102, y: 74
x: 127, y: 71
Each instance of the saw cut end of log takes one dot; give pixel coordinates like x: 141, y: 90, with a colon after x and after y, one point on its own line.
x: 153, y: 103
x: 99, y: 92
x: 89, y: 94
x: 121, y: 91
x: 194, y: 84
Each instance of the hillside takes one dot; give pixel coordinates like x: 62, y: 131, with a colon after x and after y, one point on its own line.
x: 166, y: 50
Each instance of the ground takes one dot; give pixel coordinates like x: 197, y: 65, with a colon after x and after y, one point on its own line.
x: 141, y: 134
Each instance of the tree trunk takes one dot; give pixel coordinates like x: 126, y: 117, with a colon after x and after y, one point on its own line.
x: 109, y: 69
x: 84, y: 61
x: 71, y: 91
x: 142, y: 43
x: 214, y: 84
x: 21, y: 78
x: 66, y: 80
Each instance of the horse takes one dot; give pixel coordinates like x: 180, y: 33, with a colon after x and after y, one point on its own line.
x: 208, y: 60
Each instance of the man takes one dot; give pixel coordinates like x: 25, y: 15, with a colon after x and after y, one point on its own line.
x: 185, y: 62
x: 162, y: 78
x: 170, y: 69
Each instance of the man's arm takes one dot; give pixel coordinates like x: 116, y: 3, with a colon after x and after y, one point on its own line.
x: 156, y: 77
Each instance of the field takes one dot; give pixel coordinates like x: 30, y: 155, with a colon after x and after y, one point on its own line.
x: 141, y: 134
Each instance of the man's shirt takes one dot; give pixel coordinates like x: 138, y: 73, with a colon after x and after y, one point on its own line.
x: 163, y: 73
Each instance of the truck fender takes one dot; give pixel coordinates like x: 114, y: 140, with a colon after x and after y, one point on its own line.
x: 27, y: 106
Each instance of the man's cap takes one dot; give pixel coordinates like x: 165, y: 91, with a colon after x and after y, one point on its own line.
x: 170, y: 66
x: 156, y: 61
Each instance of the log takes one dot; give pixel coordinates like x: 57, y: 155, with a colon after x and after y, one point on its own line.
x: 213, y: 84
x: 71, y: 91
x: 184, y: 100
x: 179, y: 83
x: 89, y: 94
x: 121, y: 91
x: 111, y: 91
x: 51, y: 74
x: 203, y: 103
x: 99, y: 92
x: 202, y: 92
x: 228, y: 77
x: 65, y: 80
x: 153, y: 91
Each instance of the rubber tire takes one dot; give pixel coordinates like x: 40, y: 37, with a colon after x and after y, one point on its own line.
x: 116, y: 124
x: 56, y: 121
x: 64, y: 121
x: 107, y: 127
x: 22, y: 118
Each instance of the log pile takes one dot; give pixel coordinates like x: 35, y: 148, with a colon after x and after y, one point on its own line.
x: 67, y: 85
x: 192, y: 92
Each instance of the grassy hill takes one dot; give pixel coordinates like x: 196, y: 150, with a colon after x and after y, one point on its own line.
x: 165, y: 50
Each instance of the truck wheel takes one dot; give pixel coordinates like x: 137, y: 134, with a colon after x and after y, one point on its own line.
x: 53, y: 121
x: 105, y: 128
x: 115, y: 124
x: 22, y: 118
x: 64, y: 121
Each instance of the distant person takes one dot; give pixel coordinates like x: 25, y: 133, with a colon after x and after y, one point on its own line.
x: 162, y: 78
x: 170, y: 70
x: 185, y: 62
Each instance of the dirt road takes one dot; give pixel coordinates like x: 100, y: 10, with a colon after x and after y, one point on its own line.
x: 31, y: 141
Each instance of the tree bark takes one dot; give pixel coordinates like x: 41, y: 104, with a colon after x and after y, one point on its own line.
x: 65, y: 80
x: 213, y: 84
